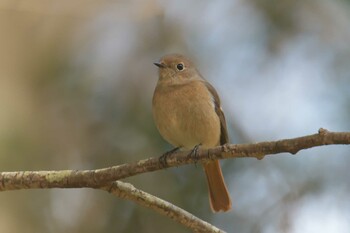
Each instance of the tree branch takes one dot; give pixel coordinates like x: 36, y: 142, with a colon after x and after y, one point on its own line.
x: 102, y: 177
x: 129, y: 192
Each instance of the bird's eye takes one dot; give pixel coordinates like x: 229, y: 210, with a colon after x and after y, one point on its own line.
x: 180, y: 66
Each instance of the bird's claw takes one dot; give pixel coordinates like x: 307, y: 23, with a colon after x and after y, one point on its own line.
x: 194, y: 152
x: 163, y: 158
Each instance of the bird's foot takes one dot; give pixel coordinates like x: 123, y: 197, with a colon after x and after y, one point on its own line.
x: 194, y: 152
x: 163, y: 158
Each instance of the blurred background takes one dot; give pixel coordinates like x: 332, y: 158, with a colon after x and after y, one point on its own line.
x: 76, y: 83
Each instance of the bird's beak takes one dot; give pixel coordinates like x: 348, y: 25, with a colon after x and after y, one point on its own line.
x: 160, y: 65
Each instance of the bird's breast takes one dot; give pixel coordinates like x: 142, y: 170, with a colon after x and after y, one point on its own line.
x: 185, y: 115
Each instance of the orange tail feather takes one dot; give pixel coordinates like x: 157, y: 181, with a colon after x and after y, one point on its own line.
x: 219, y: 197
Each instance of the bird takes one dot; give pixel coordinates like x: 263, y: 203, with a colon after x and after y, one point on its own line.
x: 187, y: 113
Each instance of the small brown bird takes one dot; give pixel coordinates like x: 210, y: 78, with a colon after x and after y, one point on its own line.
x: 187, y: 113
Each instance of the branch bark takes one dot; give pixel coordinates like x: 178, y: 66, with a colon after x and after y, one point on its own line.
x: 129, y: 192
x: 102, y: 177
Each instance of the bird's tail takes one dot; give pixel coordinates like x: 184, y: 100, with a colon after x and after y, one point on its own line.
x: 219, y: 197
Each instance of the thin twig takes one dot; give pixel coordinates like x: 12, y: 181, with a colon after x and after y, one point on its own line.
x: 129, y: 192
